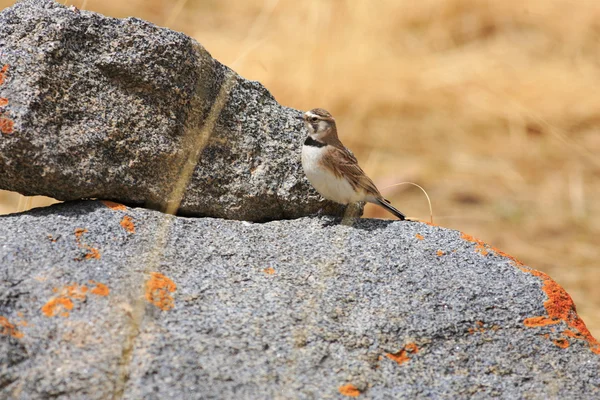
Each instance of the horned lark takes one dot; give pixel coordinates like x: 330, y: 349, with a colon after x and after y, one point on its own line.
x: 332, y: 169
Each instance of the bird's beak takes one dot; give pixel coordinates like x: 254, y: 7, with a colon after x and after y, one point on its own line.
x: 300, y: 117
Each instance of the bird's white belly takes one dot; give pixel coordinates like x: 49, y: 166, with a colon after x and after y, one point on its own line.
x: 327, y: 184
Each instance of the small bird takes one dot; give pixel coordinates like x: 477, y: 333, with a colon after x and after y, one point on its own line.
x: 332, y: 169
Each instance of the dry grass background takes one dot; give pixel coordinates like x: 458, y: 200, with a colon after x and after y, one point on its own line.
x: 492, y: 106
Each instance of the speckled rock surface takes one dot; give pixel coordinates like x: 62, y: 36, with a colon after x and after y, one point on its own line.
x: 97, y: 107
x: 101, y: 301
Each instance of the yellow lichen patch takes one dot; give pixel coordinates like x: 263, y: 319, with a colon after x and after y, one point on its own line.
x: 127, y: 224
x: 158, y: 288
x: 349, y: 390
x: 401, y: 356
x: 9, y: 329
x: 439, y: 253
x: 100, y: 289
x: 269, y: 270
x: 3, y: 102
x: 114, y: 206
x: 419, y: 236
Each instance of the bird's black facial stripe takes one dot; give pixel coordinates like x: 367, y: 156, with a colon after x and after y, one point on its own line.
x: 314, y: 143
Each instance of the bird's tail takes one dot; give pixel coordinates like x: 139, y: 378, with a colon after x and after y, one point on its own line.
x: 386, y: 204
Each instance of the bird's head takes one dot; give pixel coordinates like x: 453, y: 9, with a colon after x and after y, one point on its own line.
x: 319, y: 123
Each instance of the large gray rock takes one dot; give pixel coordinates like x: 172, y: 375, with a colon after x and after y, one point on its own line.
x: 100, y: 302
x: 97, y: 107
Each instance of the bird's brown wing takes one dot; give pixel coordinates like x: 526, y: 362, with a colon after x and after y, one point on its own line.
x: 343, y: 164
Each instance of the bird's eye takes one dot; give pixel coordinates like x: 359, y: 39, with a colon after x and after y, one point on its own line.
x: 314, y: 119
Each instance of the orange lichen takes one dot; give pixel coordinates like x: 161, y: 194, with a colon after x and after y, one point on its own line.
x: 114, y: 206
x: 91, y: 251
x: 9, y: 329
x: 3, y: 72
x: 428, y: 223
x: 269, y: 270
x: 349, y: 390
x: 560, y: 307
x: 63, y: 302
x: 75, y: 292
x: 100, y: 289
x: 559, y: 303
x: 570, y: 333
x: 6, y: 125
x: 485, y: 249
x: 479, y: 328
x: 412, y: 347
x: 419, y: 236
x: 55, y: 305
x: 562, y: 343
x: 440, y: 253
x: 127, y: 224
x: 514, y: 260
x: 401, y: 356
x: 79, y: 232
x: 534, y: 322
x: 158, y: 288
x: 480, y: 246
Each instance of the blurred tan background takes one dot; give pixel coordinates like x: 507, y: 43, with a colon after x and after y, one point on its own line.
x: 493, y: 106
